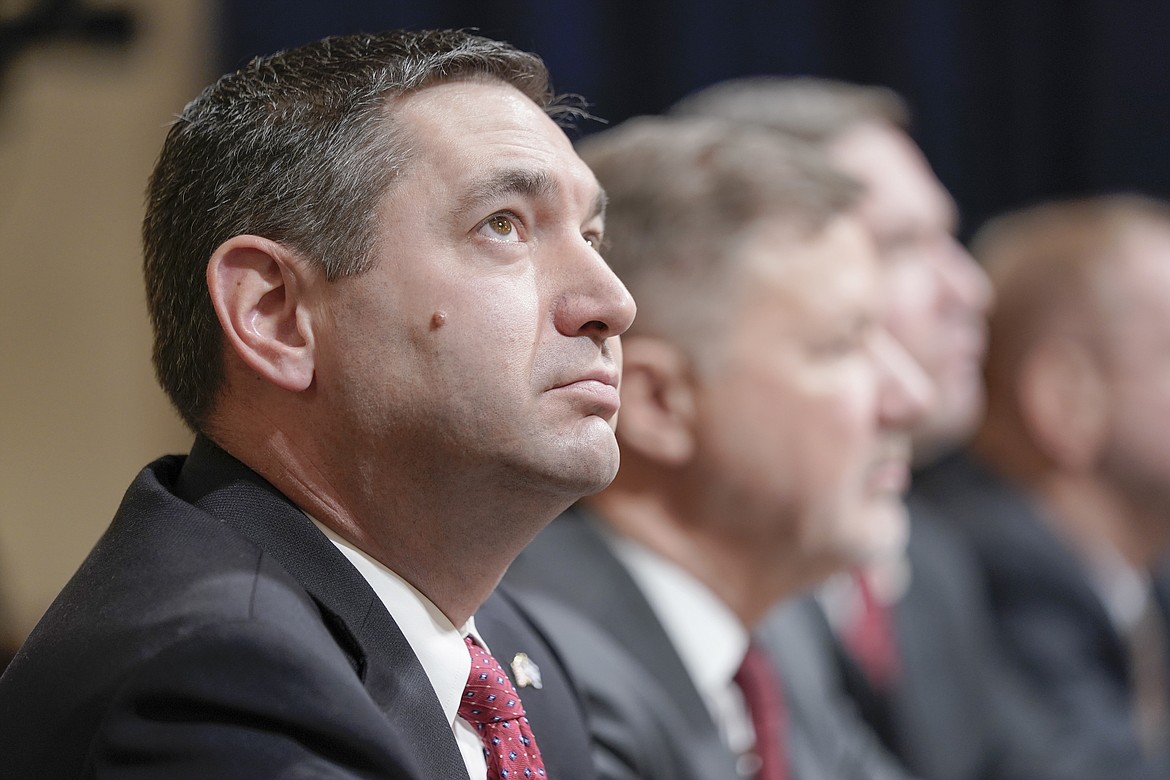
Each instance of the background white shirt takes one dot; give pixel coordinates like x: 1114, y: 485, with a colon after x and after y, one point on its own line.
x: 709, y: 638
x: 435, y: 640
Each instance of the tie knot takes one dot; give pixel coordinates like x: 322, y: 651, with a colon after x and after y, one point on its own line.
x: 869, y: 638
x: 757, y: 675
x: 489, y: 696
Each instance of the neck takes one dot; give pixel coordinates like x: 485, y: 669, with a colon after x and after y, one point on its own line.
x: 750, y: 585
x: 999, y: 442
x: 1089, y: 513
x: 1084, y: 507
x: 450, y: 535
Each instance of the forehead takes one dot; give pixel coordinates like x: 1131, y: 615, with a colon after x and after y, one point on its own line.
x: 460, y: 132
x: 810, y: 280
x: 1137, y: 287
x: 901, y: 191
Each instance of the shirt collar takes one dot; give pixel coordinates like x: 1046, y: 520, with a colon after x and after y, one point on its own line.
x: 436, y: 642
x: 1124, y: 590
x: 709, y: 638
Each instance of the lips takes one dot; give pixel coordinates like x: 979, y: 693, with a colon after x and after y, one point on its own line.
x: 598, y: 388
x: 891, y: 475
x: 890, y: 472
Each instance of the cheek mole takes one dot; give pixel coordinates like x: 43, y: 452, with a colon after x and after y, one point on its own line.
x: 438, y: 320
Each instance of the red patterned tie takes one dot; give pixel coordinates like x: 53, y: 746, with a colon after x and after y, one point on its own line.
x: 491, y: 705
x: 760, y: 684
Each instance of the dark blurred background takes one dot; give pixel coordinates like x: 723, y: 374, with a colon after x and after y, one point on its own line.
x: 1014, y: 100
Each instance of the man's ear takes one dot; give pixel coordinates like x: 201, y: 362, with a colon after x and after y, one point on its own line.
x: 658, y: 401
x: 1064, y: 402
x: 257, y: 288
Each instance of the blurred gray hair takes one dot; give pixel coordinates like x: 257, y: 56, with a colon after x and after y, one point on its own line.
x: 812, y: 109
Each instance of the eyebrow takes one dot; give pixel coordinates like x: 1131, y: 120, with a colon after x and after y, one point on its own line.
x: 538, y: 185
x: 600, y: 201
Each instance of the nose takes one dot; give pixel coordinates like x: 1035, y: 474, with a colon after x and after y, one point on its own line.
x: 905, y: 392
x: 963, y: 281
x: 592, y: 301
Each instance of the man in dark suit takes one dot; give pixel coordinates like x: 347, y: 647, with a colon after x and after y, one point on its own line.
x: 763, y: 445
x: 910, y: 640
x: 396, y: 342
x: 1065, y: 493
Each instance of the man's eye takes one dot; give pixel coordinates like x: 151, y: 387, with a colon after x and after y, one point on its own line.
x: 500, y: 227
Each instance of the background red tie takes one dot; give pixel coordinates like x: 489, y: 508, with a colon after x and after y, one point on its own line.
x: 491, y: 705
x: 758, y: 680
x: 869, y: 638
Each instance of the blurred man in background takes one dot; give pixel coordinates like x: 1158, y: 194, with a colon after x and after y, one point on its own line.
x: 1065, y: 494
x: 912, y: 635
x: 764, y: 446
x: 936, y: 296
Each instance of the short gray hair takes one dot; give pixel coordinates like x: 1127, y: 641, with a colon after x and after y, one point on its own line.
x: 812, y: 109
x: 681, y: 194
x: 296, y: 147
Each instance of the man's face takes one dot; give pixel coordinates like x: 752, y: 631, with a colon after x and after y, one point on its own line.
x: 936, y: 295
x: 804, y: 414
x: 1137, y: 369
x: 484, y: 342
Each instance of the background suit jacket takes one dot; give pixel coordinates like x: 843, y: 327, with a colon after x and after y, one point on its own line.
x: 572, y: 567
x: 637, y: 729
x: 795, y: 635
x: 1053, y: 626
x: 215, y: 632
x: 956, y: 711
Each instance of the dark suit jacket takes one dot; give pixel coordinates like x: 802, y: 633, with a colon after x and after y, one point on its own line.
x: 667, y: 723
x: 215, y: 632
x: 1053, y: 627
x: 638, y: 731
x: 554, y: 709
x: 957, y: 712
x: 844, y: 745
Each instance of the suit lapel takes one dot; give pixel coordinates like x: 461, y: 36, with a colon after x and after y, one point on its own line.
x: 388, y: 667
x: 618, y: 605
x: 553, y: 709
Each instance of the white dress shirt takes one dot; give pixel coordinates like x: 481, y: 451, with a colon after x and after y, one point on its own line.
x: 709, y: 638
x: 436, y: 642
x: 1125, y: 591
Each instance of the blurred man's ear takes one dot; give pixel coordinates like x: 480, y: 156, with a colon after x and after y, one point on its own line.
x: 256, y: 287
x: 1064, y: 403
x: 658, y: 402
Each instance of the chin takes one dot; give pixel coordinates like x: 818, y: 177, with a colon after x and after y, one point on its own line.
x: 602, y: 472
x: 887, y: 532
x: 957, y: 414
x: 585, y: 468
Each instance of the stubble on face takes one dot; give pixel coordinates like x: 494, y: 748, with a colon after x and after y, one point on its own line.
x: 451, y: 363
x: 795, y: 424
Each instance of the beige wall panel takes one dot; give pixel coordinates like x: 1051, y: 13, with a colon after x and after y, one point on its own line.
x: 79, y: 130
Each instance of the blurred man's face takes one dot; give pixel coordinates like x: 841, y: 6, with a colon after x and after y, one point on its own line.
x: 483, y: 343
x: 804, y: 413
x: 935, y: 294
x: 1136, y: 355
